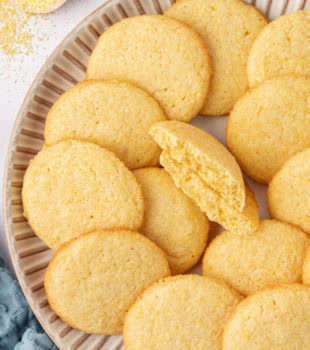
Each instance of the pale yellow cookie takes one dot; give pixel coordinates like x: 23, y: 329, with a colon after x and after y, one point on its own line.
x: 180, y: 313
x: 92, y: 280
x: 228, y: 27
x: 306, y: 268
x: 289, y: 191
x: 269, y: 124
x: 75, y: 187
x: 112, y: 114
x: 204, y: 154
x: 282, y: 47
x: 273, y: 255
x: 172, y: 220
x: 162, y: 56
x: 276, y: 317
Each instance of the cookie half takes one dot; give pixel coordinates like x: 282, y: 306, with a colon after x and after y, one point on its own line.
x: 269, y: 124
x: 181, y: 312
x: 115, y: 115
x: 75, y: 187
x: 229, y: 28
x: 249, y: 263
x: 282, y: 47
x: 92, y: 280
x: 172, y: 220
x: 162, y: 56
x: 273, y: 318
x: 289, y: 191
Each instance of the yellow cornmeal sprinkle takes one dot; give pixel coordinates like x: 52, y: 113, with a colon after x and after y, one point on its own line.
x: 36, y: 5
x: 16, y: 33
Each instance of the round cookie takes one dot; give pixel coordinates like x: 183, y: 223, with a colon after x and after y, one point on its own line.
x: 282, y: 47
x: 289, y: 191
x: 92, y: 280
x: 76, y: 187
x: 269, y: 124
x: 162, y: 56
x: 306, y: 268
x: 229, y: 28
x: 115, y: 115
x: 276, y: 317
x: 181, y: 312
x: 249, y: 263
x: 172, y: 220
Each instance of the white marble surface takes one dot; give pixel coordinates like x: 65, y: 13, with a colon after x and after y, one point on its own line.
x: 17, y: 73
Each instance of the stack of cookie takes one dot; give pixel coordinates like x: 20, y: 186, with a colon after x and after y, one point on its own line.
x: 121, y: 224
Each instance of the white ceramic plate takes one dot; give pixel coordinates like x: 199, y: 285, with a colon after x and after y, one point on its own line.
x: 64, y: 68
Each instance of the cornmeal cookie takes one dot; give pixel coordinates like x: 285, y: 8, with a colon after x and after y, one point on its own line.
x: 289, y: 191
x: 306, y: 269
x: 162, y: 56
x: 274, y: 254
x: 76, y: 187
x: 92, y: 280
x: 181, y: 312
x: 115, y: 115
x: 172, y: 220
x: 228, y: 27
x: 276, y: 317
x: 282, y: 47
x: 205, y: 155
x: 269, y: 124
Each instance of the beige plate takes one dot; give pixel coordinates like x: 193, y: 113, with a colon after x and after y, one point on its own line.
x: 64, y: 68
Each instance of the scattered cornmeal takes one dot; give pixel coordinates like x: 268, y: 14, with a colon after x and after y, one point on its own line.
x: 39, y: 6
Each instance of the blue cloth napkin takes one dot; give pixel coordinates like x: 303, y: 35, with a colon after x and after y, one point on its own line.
x: 19, y: 329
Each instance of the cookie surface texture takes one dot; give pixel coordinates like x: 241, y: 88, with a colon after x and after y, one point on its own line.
x: 228, y: 27
x: 273, y: 318
x: 289, y: 191
x: 269, y: 124
x: 182, y: 312
x: 282, y: 47
x: 249, y: 263
x: 164, y: 57
x: 92, y: 280
x: 114, y: 115
x: 306, y: 269
x: 76, y: 187
x: 172, y: 220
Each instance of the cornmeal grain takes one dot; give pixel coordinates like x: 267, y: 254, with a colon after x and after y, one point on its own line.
x: 273, y: 255
x: 282, y: 47
x: 164, y: 57
x: 229, y: 28
x: 172, y: 220
x: 92, y: 280
x: 181, y: 312
x: 115, y: 115
x: 289, y: 191
x: 269, y: 124
x: 76, y: 187
x: 276, y: 317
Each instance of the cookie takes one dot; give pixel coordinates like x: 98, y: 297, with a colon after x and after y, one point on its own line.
x: 162, y: 56
x: 92, y: 280
x: 181, y: 312
x: 289, y: 191
x: 75, y: 187
x: 115, y: 115
x: 249, y: 263
x: 269, y: 124
x: 204, y: 154
x: 229, y: 28
x: 306, y: 268
x: 172, y: 220
x: 207, y: 173
x: 282, y: 47
x: 276, y: 317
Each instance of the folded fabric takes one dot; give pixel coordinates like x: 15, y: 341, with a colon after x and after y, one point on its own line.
x: 19, y: 329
